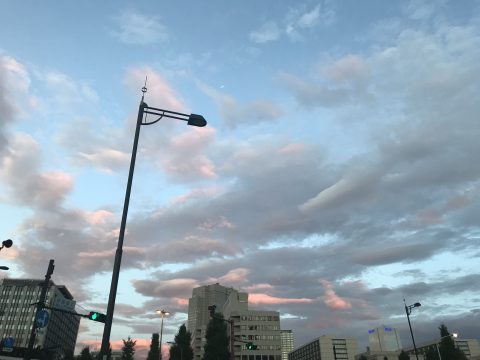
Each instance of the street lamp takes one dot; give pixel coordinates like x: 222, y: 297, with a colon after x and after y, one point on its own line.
x: 181, y: 349
x: 162, y: 313
x: 143, y: 108
x: 4, y: 268
x: 6, y: 243
x: 408, y: 310
x: 454, y: 335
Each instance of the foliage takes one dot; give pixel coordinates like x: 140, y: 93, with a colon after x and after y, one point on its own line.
x: 68, y: 355
x: 128, y: 349
x: 403, y: 356
x: 154, y: 352
x: 85, y: 354
x: 362, y: 357
x: 432, y: 354
x: 447, y: 347
x: 217, y: 345
x: 181, y: 349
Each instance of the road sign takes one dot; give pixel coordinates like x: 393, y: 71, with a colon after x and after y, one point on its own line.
x: 8, y: 344
x: 42, y: 318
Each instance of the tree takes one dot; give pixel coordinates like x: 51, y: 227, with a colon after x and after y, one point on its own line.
x: 447, y: 347
x: 128, y: 349
x: 432, y: 354
x: 154, y: 352
x: 362, y: 357
x: 181, y: 349
x: 68, y: 355
x: 403, y: 356
x: 216, y: 347
x: 85, y: 354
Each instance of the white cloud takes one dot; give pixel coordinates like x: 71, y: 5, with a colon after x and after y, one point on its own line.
x: 139, y: 29
x: 267, y: 32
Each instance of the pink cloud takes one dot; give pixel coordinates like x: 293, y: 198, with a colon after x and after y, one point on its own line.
x: 292, y: 149
x: 196, y: 194
x: 238, y: 275
x: 259, y: 287
x: 99, y: 217
x: 159, y: 92
x: 332, y: 300
x: 264, y: 299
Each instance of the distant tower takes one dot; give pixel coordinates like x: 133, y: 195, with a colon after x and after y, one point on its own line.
x: 287, y: 343
x: 384, y: 339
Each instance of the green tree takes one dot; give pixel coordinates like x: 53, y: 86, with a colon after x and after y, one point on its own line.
x: 217, y: 345
x: 181, y: 349
x: 128, y: 349
x: 432, y: 354
x: 154, y: 352
x: 362, y: 357
x: 448, y: 350
x: 403, y: 356
x: 85, y: 354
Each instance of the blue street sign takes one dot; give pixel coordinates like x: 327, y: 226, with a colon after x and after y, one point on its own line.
x: 8, y: 344
x: 42, y: 318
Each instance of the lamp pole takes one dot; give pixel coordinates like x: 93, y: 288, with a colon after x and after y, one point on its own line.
x: 143, y: 108
x: 162, y: 313
x: 408, y: 310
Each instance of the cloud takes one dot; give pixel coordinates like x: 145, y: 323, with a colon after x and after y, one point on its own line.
x: 135, y: 28
x: 332, y: 300
x: 267, y: 32
x: 234, y: 114
x: 301, y: 18
x: 264, y: 299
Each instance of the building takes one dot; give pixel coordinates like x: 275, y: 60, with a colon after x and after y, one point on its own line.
x: 262, y: 328
x: 470, y: 347
x: 17, y: 315
x: 326, y: 347
x: 287, y: 343
x: 383, y: 339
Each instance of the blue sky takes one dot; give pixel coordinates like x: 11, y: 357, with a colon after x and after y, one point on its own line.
x: 337, y: 175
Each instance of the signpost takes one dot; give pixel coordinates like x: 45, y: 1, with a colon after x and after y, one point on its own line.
x: 8, y: 344
x: 42, y: 318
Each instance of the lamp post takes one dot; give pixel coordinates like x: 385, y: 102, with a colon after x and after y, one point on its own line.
x: 143, y: 108
x: 5, y: 243
x: 162, y: 313
x: 408, y: 310
x: 454, y: 335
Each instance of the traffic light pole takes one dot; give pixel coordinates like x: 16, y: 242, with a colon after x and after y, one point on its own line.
x: 40, y: 306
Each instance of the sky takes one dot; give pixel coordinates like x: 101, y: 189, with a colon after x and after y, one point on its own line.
x: 338, y: 173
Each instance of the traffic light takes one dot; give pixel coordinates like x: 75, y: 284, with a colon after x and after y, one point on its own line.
x: 212, y: 308
x: 251, y: 346
x: 96, y: 316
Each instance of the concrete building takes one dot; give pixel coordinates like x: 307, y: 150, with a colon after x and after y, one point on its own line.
x: 326, y: 347
x: 383, y: 339
x: 262, y: 328
x: 470, y: 347
x: 17, y: 315
x: 287, y: 343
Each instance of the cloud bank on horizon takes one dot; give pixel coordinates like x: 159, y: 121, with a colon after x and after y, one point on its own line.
x: 337, y: 174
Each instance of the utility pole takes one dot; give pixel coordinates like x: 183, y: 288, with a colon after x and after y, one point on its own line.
x: 40, y: 305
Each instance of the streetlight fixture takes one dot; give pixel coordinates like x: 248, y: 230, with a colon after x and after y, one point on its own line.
x: 162, y: 313
x: 143, y: 109
x: 408, y: 310
x: 6, y: 243
x: 454, y: 335
x: 4, y: 268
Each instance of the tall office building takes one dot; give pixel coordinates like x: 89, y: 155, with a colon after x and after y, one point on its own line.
x: 17, y: 315
x: 326, y: 347
x: 287, y: 343
x: 262, y: 328
x: 384, y: 339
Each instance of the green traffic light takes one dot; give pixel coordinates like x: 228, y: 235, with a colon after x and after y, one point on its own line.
x: 94, y: 316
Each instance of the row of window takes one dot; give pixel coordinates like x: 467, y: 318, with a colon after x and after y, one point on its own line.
x: 260, y: 318
x: 258, y: 327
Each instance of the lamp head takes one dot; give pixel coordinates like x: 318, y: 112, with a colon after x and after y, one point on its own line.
x: 7, y: 243
x: 162, y: 312
x: 197, y: 120
x: 455, y: 335
x: 4, y: 267
x: 417, y: 304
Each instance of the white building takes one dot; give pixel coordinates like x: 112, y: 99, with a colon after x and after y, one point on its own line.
x: 287, y: 343
x: 17, y: 315
x: 470, y: 347
x: 383, y: 339
x: 262, y: 328
x: 326, y: 347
